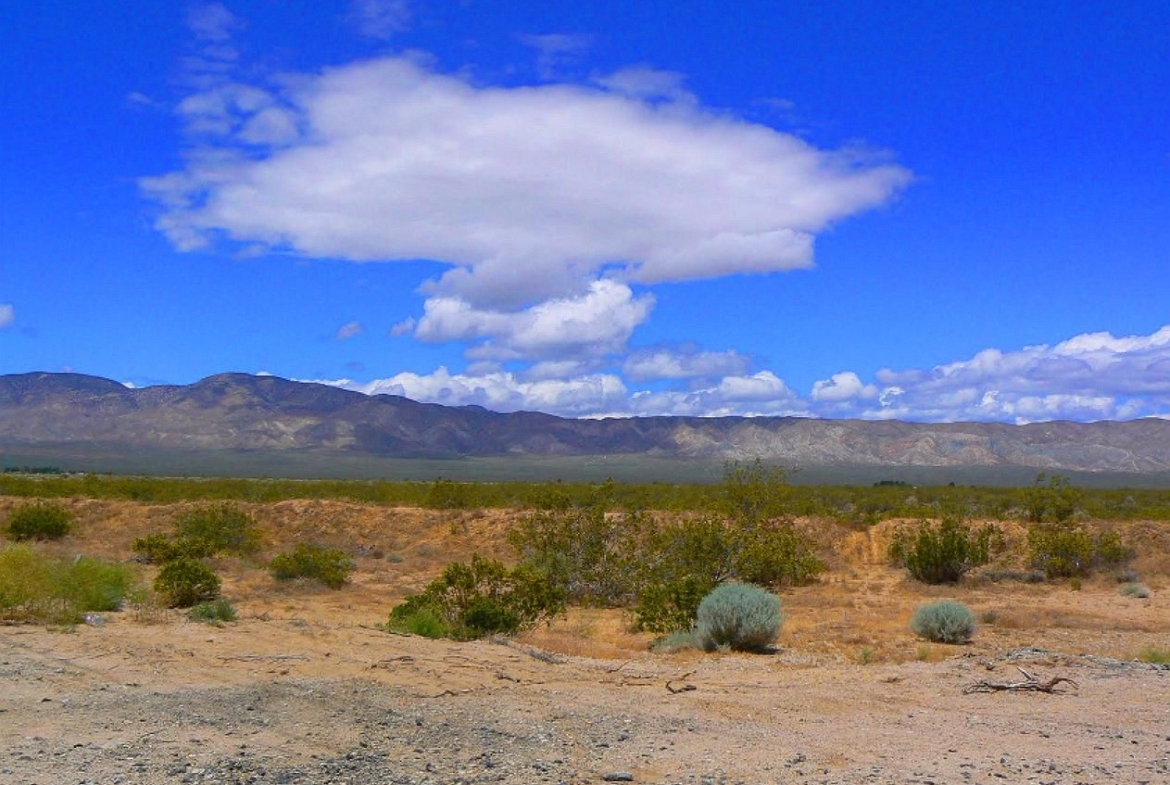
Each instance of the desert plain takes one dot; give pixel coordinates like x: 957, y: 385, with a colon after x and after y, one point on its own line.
x: 306, y: 686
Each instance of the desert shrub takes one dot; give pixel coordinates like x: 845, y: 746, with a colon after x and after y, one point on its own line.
x: 202, y: 533
x: 217, y: 611
x: 419, y: 615
x: 157, y: 548
x: 1135, y: 590
x: 1155, y: 655
x: 998, y: 575
x: 219, y: 528
x: 26, y: 579
x: 450, y: 495
x: 661, y: 565
x: 772, y: 553
x: 1067, y: 550
x: 480, y: 598
x: 738, y: 616
x: 670, y: 607
x: 326, y: 565
x: 679, y: 640
x: 39, y: 521
x: 944, y: 621
x: 942, y: 553
x: 36, y: 587
x: 185, y: 582
x: 753, y: 491
x: 1051, y: 498
x: 96, y: 585
x: 585, y: 552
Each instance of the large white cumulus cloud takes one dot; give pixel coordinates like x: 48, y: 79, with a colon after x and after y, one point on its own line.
x: 528, y: 192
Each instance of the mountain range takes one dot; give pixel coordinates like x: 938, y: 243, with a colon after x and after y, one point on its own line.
x: 73, y: 418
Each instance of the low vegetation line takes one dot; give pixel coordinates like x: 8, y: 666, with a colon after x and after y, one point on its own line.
x: 1048, y: 497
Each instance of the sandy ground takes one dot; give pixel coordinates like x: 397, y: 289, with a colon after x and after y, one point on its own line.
x: 305, y: 688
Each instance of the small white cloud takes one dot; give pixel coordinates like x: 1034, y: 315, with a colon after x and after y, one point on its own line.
x: 840, y: 387
x: 212, y: 22
x: 380, y: 18
x: 664, y: 363
x: 349, y: 330
x: 556, y: 51
x: 7, y: 315
x: 649, y: 84
x: 405, y: 327
x: 596, y: 323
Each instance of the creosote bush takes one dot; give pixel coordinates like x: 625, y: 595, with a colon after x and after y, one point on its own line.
x: 39, y: 521
x: 1135, y: 590
x: 1069, y: 550
x: 738, y: 616
x: 662, y: 566
x: 218, y: 528
x: 38, y: 588
x: 942, y: 553
x: 479, y: 599
x: 944, y: 621
x: 185, y: 582
x: 202, y: 533
x: 216, y: 612
x: 325, y: 565
x: 1051, y: 498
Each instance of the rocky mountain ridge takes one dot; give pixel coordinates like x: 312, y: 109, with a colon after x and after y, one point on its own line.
x: 241, y: 412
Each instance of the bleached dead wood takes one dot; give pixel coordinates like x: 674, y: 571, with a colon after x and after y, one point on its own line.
x: 1031, y: 683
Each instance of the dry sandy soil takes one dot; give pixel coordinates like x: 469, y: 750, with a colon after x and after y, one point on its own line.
x: 305, y: 688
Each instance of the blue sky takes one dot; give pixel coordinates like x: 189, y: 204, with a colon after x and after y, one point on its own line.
x: 914, y: 210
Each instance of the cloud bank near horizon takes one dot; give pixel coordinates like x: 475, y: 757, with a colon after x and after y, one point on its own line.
x: 1094, y: 376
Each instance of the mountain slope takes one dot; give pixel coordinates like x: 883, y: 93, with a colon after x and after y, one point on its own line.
x: 240, y: 412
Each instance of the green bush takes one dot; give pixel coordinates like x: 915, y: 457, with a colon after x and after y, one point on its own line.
x: 419, y: 615
x: 157, y: 548
x: 450, y: 495
x: 738, y: 616
x: 672, y: 642
x: 774, y: 554
x: 670, y: 607
x: 661, y: 565
x: 219, y: 528
x: 39, y: 521
x: 942, y: 553
x: 35, y: 587
x: 1051, y: 498
x: 1135, y: 590
x: 218, y: 611
x: 1068, y: 550
x: 96, y: 585
x: 479, y: 599
x: 944, y: 621
x: 1155, y: 655
x: 27, y: 580
x: 202, y: 533
x: 588, y: 554
x: 185, y: 582
x: 754, y: 491
x: 326, y: 565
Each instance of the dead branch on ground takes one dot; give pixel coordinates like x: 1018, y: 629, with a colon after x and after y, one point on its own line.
x: 1031, y: 683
